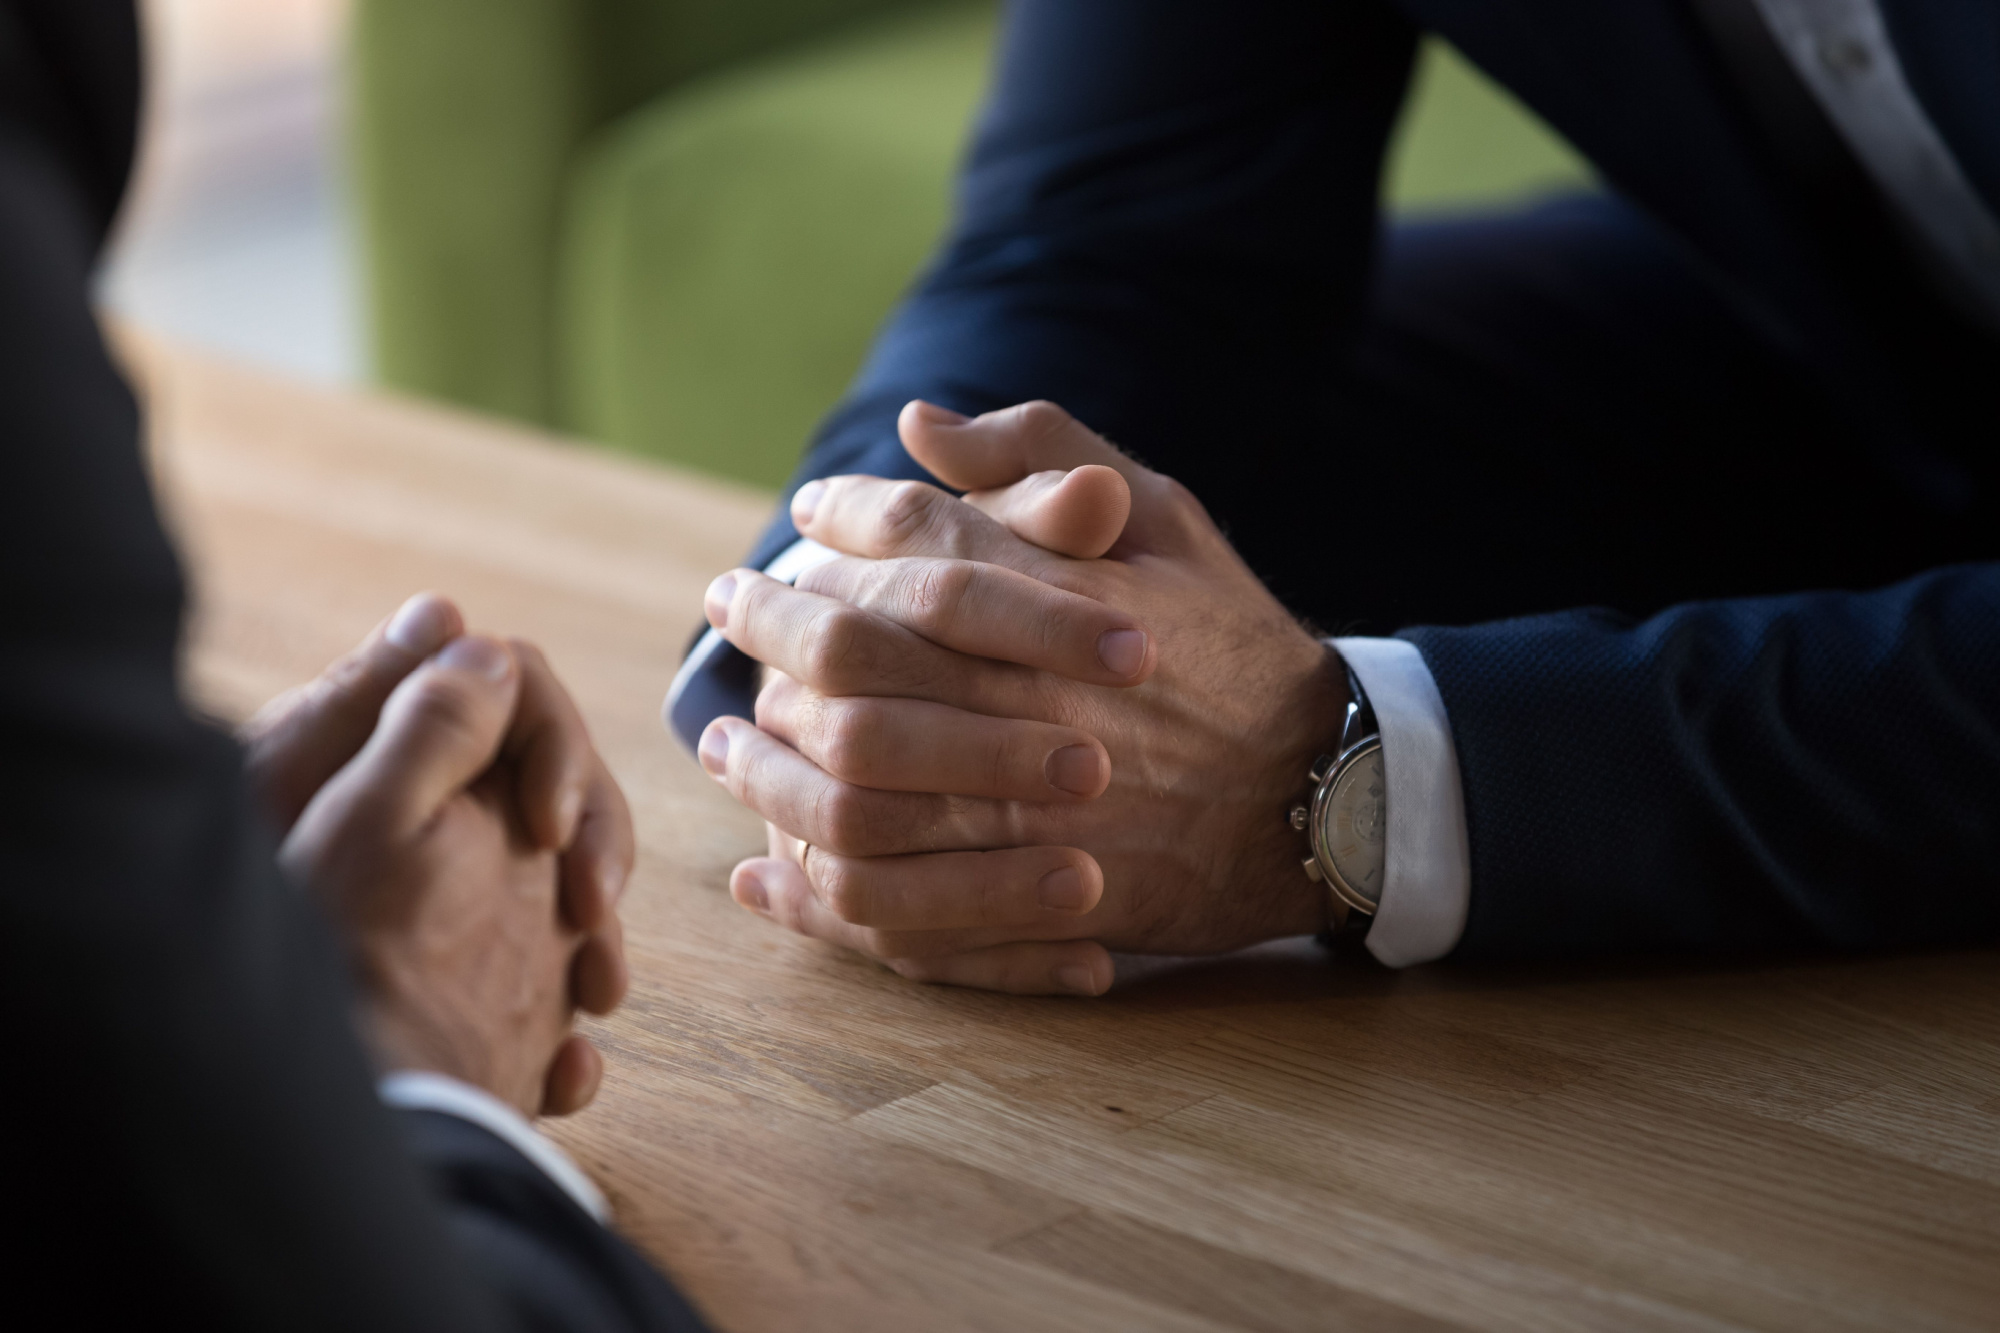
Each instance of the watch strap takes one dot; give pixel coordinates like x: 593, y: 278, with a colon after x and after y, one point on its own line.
x: 1359, y: 726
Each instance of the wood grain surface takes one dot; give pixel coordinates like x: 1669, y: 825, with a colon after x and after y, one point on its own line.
x: 1269, y: 1142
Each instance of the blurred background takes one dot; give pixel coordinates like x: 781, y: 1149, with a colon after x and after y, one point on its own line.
x: 238, y: 235
x: 667, y: 226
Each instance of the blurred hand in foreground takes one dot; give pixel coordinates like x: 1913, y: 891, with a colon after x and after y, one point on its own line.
x: 440, y: 796
x: 1007, y: 732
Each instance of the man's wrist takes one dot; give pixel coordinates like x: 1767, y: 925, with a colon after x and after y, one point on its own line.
x: 397, y: 1039
x: 1305, y: 725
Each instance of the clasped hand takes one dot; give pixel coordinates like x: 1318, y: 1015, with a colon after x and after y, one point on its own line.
x: 440, y: 797
x: 1003, y: 734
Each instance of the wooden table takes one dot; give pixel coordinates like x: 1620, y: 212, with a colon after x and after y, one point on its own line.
x: 1265, y: 1142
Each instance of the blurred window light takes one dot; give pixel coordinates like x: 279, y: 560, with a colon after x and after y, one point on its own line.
x: 236, y: 235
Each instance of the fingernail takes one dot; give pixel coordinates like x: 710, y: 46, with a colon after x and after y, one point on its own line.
x: 481, y: 657
x: 941, y: 416
x: 750, y: 892
x: 714, y: 752
x: 1123, y: 651
x: 1077, y: 978
x: 1076, y: 769
x: 806, y: 503
x: 715, y: 602
x: 1062, y: 890
x: 420, y: 626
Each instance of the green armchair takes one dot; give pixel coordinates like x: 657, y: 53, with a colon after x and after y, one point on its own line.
x: 674, y: 226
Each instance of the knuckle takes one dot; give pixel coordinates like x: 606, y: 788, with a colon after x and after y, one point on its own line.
x: 844, y: 820
x: 440, y: 702
x: 998, y: 755
x: 1043, y: 417
x: 752, y: 611
x: 936, y: 591
x: 844, y: 893
x: 836, y: 653
x: 1183, y: 501
x: 750, y: 775
x: 347, y: 676
x: 848, y: 740
x: 909, y: 512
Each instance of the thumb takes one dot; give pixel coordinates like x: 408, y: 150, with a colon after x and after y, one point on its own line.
x: 1080, y: 513
x: 303, y: 737
x: 440, y: 730
x: 1000, y: 448
x: 1092, y: 495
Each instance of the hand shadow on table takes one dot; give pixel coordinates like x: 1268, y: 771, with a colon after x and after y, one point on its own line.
x: 1303, y: 969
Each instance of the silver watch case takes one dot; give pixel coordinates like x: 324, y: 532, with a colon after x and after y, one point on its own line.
x: 1330, y: 776
x: 1360, y: 743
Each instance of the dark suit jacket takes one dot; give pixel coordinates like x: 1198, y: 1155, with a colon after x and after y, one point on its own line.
x: 1168, y: 223
x: 193, y: 1138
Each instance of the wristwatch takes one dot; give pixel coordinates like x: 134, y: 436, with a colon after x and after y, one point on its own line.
x: 1347, y: 822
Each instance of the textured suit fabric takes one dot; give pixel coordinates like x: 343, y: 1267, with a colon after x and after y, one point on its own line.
x: 1819, y: 768
x: 1694, y: 395
x: 193, y: 1133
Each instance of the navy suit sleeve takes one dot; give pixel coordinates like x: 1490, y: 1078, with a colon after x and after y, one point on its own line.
x: 1168, y: 213
x: 551, y: 1263
x: 1820, y: 770
x: 1169, y: 205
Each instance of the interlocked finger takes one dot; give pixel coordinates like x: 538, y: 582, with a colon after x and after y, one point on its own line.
x: 911, y: 746
x: 1071, y: 967
x: 572, y: 804
x: 1015, y: 889
x: 999, y: 448
x: 801, y: 798
x: 881, y: 519
x: 551, y: 747
x: 988, y: 611
x: 988, y: 457
x: 994, y: 960
x: 573, y: 1077
x: 1080, y: 513
x: 842, y: 651
x: 299, y: 740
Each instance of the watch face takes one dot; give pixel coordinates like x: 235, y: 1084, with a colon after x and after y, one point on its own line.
x: 1354, y: 824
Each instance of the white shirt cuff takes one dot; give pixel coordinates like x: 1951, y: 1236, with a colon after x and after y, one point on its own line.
x: 1427, y: 881
x: 422, y: 1090
x: 793, y: 561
